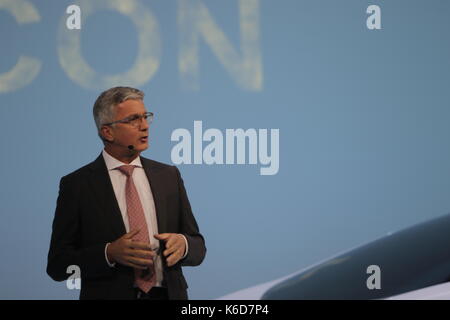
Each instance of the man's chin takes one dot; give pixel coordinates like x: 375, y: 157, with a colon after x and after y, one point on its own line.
x: 141, y: 147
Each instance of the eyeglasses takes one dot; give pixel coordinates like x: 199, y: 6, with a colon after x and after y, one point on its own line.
x: 134, y: 120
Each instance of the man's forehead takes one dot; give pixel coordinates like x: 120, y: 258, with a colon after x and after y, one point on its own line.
x: 131, y: 107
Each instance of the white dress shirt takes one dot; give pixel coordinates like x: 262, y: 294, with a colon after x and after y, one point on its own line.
x: 118, y: 180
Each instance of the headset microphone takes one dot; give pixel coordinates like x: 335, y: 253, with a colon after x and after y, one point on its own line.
x: 131, y: 147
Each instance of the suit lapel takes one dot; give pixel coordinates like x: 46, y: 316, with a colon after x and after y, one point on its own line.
x: 155, y: 180
x: 104, y: 192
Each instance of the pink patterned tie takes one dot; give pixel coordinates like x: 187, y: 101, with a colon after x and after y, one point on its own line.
x: 144, y: 279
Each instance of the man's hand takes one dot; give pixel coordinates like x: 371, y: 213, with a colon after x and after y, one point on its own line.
x: 175, y: 247
x: 131, y: 253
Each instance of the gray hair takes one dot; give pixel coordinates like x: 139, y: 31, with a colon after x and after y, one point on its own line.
x: 105, y: 105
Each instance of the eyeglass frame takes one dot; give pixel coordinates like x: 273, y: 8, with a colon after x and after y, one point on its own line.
x: 134, y: 117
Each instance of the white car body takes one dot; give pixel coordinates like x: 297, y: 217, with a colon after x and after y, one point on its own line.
x: 425, y: 246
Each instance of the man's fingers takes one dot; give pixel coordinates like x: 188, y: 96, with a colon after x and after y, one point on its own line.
x: 146, y: 254
x: 139, y: 245
x: 131, y: 234
x: 135, y: 266
x: 172, y: 259
x: 140, y: 262
x: 135, y: 262
x: 173, y: 256
x: 172, y: 240
x: 174, y: 247
x: 174, y: 243
x: 170, y: 250
x: 169, y: 262
x: 162, y: 236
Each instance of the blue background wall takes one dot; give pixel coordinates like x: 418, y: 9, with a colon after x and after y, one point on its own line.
x: 362, y: 115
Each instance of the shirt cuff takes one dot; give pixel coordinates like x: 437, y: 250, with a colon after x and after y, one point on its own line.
x: 106, y: 257
x: 187, y: 247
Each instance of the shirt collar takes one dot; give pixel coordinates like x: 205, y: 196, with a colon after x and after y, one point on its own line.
x: 112, y: 163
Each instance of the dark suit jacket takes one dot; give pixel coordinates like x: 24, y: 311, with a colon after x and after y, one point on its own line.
x: 87, y: 217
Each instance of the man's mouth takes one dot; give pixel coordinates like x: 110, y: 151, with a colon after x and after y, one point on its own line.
x: 144, y: 139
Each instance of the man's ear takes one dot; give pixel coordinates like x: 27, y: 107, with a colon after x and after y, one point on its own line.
x: 106, y: 133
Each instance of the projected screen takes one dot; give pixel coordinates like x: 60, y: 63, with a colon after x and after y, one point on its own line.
x: 301, y: 128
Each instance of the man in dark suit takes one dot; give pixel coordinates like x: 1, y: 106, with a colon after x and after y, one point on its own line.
x: 125, y: 220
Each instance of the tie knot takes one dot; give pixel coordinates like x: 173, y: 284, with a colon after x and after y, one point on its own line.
x: 126, y: 170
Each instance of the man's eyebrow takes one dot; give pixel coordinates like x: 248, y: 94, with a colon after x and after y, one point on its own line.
x: 133, y: 115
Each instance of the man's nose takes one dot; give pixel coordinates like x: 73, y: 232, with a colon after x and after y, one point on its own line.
x: 144, y: 124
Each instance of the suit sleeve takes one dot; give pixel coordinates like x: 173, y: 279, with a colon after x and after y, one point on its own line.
x: 189, y: 228
x: 66, y: 242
